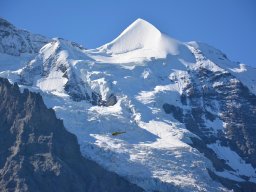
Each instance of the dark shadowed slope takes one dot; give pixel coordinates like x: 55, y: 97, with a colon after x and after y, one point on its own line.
x: 38, y: 154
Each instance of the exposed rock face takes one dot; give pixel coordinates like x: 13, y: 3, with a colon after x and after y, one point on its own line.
x: 55, y: 62
x: 38, y: 154
x: 175, y: 111
x: 237, y: 107
x: 219, y: 95
x: 14, y: 41
x: 194, y: 96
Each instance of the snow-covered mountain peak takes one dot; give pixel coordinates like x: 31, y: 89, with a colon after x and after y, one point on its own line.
x: 139, y: 42
x: 57, y: 52
x: 167, y: 115
x: 140, y: 34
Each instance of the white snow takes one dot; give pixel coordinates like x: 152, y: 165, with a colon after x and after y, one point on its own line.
x: 233, y: 160
x: 139, y: 42
x: 152, y: 154
x: 246, y: 75
x: 13, y: 63
x: 242, y: 72
x: 139, y: 35
x: 53, y: 83
x: 215, y: 125
x: 144, y: 69
x: 142, y: 35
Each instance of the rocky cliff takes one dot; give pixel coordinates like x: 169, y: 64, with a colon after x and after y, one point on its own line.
x: 38, y: 154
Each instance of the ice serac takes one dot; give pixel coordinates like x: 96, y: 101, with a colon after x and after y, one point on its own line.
x: 38, y: 154
x: 167, y: 115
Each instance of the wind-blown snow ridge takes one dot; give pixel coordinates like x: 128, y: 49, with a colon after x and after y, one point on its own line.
x: 140, y: 41
x: 168, y: 94
x: 139, y: 35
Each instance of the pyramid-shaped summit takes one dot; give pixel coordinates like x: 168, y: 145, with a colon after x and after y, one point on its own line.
x: 143, y: 40
x: 182, y: 112
x: 140, y: 34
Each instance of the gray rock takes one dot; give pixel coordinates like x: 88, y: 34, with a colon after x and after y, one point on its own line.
x: 15, y: 41
x: 236, y: 106
x: 38, y: 154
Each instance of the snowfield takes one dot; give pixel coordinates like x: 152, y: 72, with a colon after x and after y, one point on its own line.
x: 144, y: 69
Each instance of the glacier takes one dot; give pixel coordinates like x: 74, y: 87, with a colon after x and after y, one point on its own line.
x: 139, y: 85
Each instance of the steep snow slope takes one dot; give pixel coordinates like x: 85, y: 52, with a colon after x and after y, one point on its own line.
x: 139, y: 42
x: 244, y: 73
x: 54, y: 63
x: 38, y: 154
x: 143, y: 36
x: 158, y: 111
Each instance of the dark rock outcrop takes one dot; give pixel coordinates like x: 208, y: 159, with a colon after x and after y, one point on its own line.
x: 15, y: 41
x: 38, y: 154
x: 78, y: 92
x: 177, y: 112
x: 230, y: 101
x: 236, y: 107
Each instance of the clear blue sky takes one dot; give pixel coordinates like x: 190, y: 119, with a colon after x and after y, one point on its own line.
x: 229, y: 25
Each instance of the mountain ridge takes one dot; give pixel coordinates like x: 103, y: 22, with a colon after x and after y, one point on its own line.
x: 16, y: 41
x: 186, y: 116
